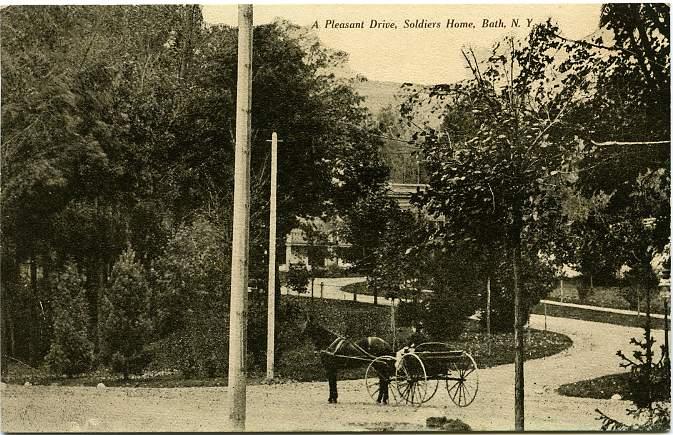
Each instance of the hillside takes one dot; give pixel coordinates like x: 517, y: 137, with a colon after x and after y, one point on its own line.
x: 379, y: 94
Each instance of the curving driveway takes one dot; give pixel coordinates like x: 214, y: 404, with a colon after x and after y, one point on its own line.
x: 303, y: 406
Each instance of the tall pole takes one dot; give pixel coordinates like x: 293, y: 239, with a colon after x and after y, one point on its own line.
x: 488, y: 312
x: 518, y: 347
x: 392, y: 323
x: 271, y: 308
x: 241, y: 225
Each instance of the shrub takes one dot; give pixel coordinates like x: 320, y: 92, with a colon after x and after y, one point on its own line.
x: 298, y: 278
x: 409, y: 313
x: 445, y: 315
x: 192, y: 272
x: 199, y: 348
x: 71, y: 351
x: 126, y: 326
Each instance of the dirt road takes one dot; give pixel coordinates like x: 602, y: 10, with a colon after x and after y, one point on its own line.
x: 303, y: 406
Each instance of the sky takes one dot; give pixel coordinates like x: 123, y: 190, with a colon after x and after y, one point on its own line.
x: 427, y: 55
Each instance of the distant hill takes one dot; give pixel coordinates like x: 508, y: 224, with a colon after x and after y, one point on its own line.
x: 379, y: 94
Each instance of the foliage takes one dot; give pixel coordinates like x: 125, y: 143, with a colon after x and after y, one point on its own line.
x: 199, y: 348
x: 629, y: 102
x: 364, y: 228
x: 444, y: 316
x: 298, y: 278
x: 650, y: 380
x: 71, y: 351
x: 126, y: 326
x: 655, y: 420
x: 537, y: 280
x: 399, y: 268
x: 498, y: 166
x: 649, y: 388
x: 118, y: 122
x: 409, y: 314
x: 192, y: 273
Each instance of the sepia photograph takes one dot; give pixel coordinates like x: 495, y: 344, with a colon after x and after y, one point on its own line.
x: 335, y: 217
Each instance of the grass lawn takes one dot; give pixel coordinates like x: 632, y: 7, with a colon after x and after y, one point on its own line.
x: 605, y: 387
x: 597, y: 316
x: 300, y: 363
x: 609, y: 297
x: 570, y: 295
x: 598, y: 388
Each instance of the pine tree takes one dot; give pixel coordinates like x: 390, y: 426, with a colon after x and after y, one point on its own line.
x: 126, y: 326
x: 71, y: 351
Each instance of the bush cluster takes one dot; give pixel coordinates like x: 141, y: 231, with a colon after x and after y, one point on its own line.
x: 71, y: 351
x: 126, y: 327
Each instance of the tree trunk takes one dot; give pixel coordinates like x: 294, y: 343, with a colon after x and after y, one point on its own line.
x: 4, y: 338
x: 99, y: 305
x: 648, y: 349
x: 33, y: 345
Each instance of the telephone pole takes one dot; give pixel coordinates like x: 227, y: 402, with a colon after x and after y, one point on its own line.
x: 488, y: 312
x: 238, y: 314
x: 271, y: 289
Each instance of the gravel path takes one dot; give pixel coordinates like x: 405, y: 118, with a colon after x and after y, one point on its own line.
x: 303, y: 406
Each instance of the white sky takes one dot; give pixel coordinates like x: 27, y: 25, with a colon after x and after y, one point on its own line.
x: 412, y: 55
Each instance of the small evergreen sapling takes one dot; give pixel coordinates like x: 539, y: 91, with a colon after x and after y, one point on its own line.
x: 126, y: 327
x: 71, y: 351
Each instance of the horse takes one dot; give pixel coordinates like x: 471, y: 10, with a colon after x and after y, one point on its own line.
x: 337, y: 352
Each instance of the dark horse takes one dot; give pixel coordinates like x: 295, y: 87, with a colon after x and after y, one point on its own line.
x: 337, y: 352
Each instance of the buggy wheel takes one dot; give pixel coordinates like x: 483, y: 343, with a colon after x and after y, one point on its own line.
x: 462, y: 381
x: 431, y: 390
x: 412, y: 380
x: 381, y: 369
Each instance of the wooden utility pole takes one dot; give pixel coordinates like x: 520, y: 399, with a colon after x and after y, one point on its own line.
x: 518, y: 347
x: 392, y: 321
x: 238, y: 314
x: 488, y: 312
x: 271, y: 308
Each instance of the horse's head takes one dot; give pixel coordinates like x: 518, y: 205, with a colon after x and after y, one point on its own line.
x: 320, y: 336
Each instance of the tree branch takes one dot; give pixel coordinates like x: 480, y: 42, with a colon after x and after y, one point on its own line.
x: 603, y: 47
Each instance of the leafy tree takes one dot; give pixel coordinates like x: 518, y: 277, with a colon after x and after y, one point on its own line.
x: 126, y: 323
x: 365, y: 224
x: 192, y: 273
x: 71, y: 351
x: 496, y: 164
x: 627, y: 121
x: 120, y: 119
x: 298, y: 278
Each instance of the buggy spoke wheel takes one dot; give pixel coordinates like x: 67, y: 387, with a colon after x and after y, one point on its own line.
x: 381, y: 370
x: 412, y: 380
x: 462, y: 381
x: 431, y: 390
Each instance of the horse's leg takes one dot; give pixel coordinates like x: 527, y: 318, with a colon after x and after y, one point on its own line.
x: 383, y: 391
x: 331, y: 376
x: 332, y: 379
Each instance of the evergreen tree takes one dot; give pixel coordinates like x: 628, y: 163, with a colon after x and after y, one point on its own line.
x: 71, y: 351
x: 126, y: 326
